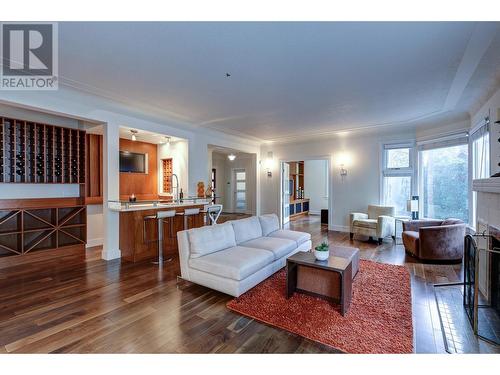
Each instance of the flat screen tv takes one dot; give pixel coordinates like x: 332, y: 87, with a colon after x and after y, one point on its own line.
x: 131, y: 162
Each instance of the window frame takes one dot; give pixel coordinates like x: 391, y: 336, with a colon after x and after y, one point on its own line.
x: 480, y: 131
x: 461, y: 138
x: 397, y: 172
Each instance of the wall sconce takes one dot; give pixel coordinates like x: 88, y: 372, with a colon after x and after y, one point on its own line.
x: 269, y: 164
x: 343, y: 172
x: 343, y: 162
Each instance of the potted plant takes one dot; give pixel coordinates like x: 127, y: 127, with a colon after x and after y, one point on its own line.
x: 322, y: 252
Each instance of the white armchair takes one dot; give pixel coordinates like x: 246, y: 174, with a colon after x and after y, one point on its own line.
x: 378, y: 223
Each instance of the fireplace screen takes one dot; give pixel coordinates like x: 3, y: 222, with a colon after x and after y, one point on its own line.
x: 482, y: 287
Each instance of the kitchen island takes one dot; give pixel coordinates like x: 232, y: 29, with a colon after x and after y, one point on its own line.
x: 139, y: 235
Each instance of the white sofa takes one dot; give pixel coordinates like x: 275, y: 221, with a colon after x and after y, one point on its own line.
x: 235, y: 256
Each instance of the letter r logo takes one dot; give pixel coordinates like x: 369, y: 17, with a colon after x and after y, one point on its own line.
x: 27, y: 49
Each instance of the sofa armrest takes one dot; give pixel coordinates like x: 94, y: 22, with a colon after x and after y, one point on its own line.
x: 356, y: 216
x: 386, y: 226
x: 415, y: 225
x: 184, y: 253
x: 442, y: 242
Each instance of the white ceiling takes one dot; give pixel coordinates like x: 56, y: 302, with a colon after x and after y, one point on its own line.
x: 287, y: 79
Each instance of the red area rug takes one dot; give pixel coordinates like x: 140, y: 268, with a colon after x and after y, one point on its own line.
x: 378, y: 321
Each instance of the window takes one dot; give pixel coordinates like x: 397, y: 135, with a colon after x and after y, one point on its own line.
x: 397, y: 176
x: 443, y: 179
x: 480, y: 148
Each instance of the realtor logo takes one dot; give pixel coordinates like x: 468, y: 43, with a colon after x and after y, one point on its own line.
x: 28, y: 56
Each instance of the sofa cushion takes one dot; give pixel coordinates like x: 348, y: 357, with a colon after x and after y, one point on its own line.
x: 365, y: 223
x: 298, y: 237
x: 269, y: 223
x: 210, y: 239
x: 235, y: 263
x: 451, y: 221
x: 246, y: 229
x: 278, y: 246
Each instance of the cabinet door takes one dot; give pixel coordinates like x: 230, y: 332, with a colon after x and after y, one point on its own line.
x: 306, y: 206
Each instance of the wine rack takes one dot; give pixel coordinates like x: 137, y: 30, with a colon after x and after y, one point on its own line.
x: 39, y: 153
x: 167, y: 175
x: 29, y: 230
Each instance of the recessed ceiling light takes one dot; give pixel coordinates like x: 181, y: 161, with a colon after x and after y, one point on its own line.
x: 134, y: 132
x: 231, y: 157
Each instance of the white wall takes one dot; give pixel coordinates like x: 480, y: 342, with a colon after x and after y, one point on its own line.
x: 315, y: 185
x: 491, y: 108
x: 95, y: 225
x: 359, y: 189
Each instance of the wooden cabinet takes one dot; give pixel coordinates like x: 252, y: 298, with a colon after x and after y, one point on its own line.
x: 37, y: 226
x: 138, y: 236
x: 35, y: 229
x: 94, y: 189
x: 299, y: 207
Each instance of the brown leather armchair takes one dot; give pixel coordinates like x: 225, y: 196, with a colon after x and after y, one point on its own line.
x: 435, y: 240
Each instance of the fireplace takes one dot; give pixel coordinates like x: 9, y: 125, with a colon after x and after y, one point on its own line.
x: 494, y: 269
x: 483, y: 304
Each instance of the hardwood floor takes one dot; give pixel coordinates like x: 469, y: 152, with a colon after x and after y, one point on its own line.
x: 87, y: 305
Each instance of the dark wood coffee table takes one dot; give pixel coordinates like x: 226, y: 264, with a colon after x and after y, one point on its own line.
x: 330, y: 279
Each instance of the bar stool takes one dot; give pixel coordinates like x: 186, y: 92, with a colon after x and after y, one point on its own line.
x: 212, y: 213
x: 159, y: 217
x: 188, y: 212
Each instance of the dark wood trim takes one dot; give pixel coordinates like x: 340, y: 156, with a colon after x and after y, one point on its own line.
x: 14, y: 204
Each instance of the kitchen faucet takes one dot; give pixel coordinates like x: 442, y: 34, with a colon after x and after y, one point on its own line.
x: 176, y: 200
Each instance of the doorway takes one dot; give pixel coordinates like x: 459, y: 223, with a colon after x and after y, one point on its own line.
x: 304, y: 192
x: 233, y: 177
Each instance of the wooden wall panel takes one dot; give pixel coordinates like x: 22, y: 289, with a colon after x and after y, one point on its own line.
x: 144, y: 186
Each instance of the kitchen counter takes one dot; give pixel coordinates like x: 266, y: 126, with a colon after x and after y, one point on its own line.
x: 126, y: 206
x: 139, y: 235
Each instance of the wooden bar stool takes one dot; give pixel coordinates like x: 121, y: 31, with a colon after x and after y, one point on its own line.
x: 160, y: 217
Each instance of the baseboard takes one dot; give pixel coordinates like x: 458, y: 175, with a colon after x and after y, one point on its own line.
x: 95, y: 242
x: 338, y: 228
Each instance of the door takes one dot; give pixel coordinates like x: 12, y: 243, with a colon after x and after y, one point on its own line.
x: 240, y: 190
x: 285, y: 191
